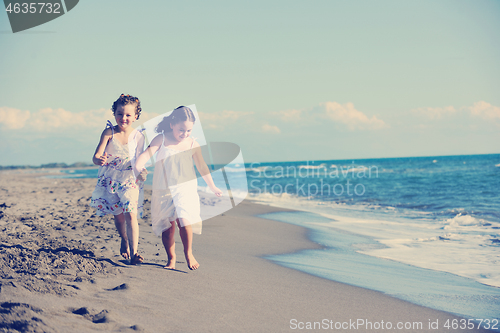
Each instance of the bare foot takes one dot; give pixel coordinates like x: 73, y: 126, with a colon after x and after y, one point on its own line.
x: 124, y: 250
x: 170, y: 263
x: 136, y: 259
x: 191, y: 262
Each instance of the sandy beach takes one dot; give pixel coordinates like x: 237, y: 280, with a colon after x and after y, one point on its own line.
x: 61, y: 272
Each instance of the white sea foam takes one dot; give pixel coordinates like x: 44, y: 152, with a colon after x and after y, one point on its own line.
x: 234, y: 169
x: 358, y: 169
x: 257, y: 169
x: 313, y: 167
x: 463, y: 245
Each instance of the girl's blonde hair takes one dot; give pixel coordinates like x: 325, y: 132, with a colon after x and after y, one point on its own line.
x: 180, y: 114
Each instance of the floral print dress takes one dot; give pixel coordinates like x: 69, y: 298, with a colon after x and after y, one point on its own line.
x: 116, y: 191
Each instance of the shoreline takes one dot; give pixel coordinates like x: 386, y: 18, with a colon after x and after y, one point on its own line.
x: 90, y: 288
x: 435, y: 289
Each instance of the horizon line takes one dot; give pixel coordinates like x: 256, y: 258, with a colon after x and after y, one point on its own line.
x: 89, y: 165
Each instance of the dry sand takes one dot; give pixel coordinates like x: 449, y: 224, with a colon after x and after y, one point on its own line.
x: 60, y: 271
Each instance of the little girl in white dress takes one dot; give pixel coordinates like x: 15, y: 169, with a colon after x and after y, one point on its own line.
x: 118, y: 191
x: 175, y: 190
x: 175, y: 196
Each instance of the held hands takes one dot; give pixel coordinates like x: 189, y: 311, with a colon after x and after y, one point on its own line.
x: 142, y: 176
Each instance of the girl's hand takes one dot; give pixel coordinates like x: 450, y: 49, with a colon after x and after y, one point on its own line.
x: 102, y: 159
x: 216, y: 191
x: 143, y: 175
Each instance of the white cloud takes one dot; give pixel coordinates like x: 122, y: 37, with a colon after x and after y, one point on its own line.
x: 485, y: 110
x: 270, y: 128
x: 435, y: 112
x: 289, y: 115
x: 52, y: 120
x: 480, y: 109
x: 219, y: 120
x: 347, y: 114
x: 344, y: 114
x: 13, y: 118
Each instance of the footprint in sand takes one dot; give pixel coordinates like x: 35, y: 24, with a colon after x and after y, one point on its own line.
x: 122, y: 286
x: 136, y: 328
x: 99, y: 318
x: 81, y: 311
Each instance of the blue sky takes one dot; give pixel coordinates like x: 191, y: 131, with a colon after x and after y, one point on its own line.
x: 286, y: 80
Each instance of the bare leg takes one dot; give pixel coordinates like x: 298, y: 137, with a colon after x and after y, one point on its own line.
x: 167, y: 238
x: 122, y: 230
x: 133, y: 237
x: 187, y: 240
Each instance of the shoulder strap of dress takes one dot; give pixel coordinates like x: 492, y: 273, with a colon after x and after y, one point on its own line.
x: 110, y: 125
x: 192, y: 143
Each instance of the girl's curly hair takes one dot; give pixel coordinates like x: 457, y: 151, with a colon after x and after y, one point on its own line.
x: 126, y: 100
x: 180, y: 114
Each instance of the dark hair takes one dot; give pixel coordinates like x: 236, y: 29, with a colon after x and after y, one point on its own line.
x: 180, y: 114
x: 126, y: 100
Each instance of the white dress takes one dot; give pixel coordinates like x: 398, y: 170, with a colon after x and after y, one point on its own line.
x: 116, y: 191
x: 175, y: 190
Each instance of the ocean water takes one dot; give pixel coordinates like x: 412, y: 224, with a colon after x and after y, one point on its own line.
x: 424, y: 229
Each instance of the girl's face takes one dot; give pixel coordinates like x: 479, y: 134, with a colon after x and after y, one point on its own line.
x: 182, y: 130
x: 125, y: 115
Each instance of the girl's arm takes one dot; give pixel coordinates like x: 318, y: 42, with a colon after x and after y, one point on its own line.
x: 140, y: 144
x: 148, y: 153
x: 139, y: 149
x: 204, y: 170
x: 99, y: 158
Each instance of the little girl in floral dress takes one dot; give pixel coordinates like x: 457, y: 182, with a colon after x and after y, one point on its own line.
x: 118, y: 190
